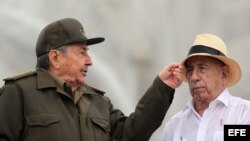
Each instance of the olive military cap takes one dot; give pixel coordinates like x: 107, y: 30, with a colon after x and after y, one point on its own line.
x: 62, y: 32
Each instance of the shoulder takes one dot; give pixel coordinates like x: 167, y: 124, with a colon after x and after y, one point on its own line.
x: 19, y: 76
x: 238, y: 101
x: 11, y: 82
x: 245, y: 103
x: 239, y: 104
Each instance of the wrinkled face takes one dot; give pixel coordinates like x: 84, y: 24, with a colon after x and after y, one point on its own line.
x: 206, y: 77
x: 73, y: 64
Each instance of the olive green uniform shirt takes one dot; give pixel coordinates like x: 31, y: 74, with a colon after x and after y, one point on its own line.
x: 66, y: 87
x: 33, y: 107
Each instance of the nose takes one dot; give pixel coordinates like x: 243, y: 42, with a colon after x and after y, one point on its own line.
x: 88, y: 61
x: 194, y: 77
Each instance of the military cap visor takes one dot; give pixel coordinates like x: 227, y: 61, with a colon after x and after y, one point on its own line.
x: 60, y: 33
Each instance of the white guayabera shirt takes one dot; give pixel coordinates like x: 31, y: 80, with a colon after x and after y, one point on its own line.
x: 188, y: 125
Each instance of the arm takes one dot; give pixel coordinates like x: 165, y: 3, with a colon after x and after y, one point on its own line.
x: 151, y: 109
x: 10, y: 113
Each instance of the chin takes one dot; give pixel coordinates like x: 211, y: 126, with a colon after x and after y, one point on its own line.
x: 81, y: 81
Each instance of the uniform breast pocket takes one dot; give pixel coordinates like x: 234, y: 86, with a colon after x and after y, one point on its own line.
x: 43, y: 127
x: 101, y: 129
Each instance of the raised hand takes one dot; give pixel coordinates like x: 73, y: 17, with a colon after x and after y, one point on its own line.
x: 172, y: 75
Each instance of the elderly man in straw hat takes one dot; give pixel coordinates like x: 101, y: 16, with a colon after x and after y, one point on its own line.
x: 209, y: 71
x: 54, y: 103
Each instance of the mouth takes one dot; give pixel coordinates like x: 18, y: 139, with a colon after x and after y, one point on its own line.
x: 198, y: 89
x: 85, y: 72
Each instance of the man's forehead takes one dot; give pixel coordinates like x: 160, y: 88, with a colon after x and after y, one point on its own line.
x: 202, y: 60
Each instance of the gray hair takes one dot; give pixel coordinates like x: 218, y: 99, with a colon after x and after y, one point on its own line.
x: 43, y: 61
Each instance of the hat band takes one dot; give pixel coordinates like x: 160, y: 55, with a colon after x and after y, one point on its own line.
x: 204, y: 49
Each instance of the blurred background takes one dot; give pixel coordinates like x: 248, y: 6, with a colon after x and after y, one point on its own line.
x: 142, y: 36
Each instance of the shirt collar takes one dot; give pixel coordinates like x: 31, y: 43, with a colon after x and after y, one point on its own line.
x: 59, y: 82
x: 223, y: 98
x: 46, y: 80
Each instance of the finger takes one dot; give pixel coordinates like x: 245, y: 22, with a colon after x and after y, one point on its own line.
x: 179, y: 75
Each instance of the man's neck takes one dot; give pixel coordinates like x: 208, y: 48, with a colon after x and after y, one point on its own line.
x: 200, y: 107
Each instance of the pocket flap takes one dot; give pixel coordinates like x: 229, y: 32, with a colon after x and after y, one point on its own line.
x: 104, y: 124
x: 42, y: 119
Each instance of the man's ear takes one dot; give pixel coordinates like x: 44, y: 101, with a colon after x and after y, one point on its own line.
x: 225, y: 72
x: 54, y: 57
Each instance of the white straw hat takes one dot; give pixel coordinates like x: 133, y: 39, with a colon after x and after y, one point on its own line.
x: 213, y: 46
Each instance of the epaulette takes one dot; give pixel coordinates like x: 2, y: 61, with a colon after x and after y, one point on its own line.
x: 19, y: 76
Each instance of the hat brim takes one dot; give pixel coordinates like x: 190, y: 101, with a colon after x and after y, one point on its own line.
x: 233, y: 67
x: 93, y: 41
x: 88, y: 42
